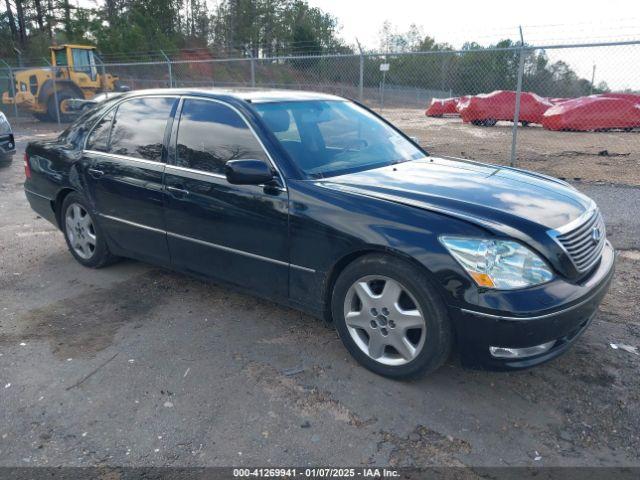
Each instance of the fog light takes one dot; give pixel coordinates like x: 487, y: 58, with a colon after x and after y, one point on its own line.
x: 10, y: 145
x: 506, y: 352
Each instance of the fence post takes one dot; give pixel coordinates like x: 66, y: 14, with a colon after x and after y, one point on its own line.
x: 516, y: 115
x: 19, y: 54
x: 55, y: 94
x: 12, y: 84
x: 169, y: 68
x: 361, y: 80
x: 253, y: 69
x: 103, y: 79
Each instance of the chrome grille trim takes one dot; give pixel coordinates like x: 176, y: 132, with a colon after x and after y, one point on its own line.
x: 578, y: 243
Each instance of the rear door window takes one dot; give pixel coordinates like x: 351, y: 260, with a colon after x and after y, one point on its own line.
x: 139, y: 127
x: 99, y: 138
x: 210, y: 134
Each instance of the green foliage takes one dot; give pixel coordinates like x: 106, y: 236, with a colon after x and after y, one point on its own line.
x: 126, y: 30
x: 474, y: 69
x: 235, y: 28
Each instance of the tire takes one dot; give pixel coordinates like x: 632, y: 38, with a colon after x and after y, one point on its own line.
x: 490, y: 122
x: 380, y: 278
x: 84, y: 238
x: 525, y: 123
x: 51, y: 106
x: 43, y: 117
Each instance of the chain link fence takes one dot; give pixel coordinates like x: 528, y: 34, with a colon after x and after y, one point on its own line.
x: 555, y: 91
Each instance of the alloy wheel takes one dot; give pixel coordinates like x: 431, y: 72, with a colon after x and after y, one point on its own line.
x: 384, y: 320
x: 80, y: 231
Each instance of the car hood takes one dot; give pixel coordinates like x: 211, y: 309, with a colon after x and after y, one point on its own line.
x: 490, y: 195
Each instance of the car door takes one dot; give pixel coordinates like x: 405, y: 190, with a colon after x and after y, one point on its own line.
x: 237, y: 233
x: 126, y: 150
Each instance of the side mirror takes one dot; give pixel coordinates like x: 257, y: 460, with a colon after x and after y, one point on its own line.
x: 247, y: 172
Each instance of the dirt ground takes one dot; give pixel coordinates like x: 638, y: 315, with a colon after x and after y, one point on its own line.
x: 608, y: 157
x: 135, y: 365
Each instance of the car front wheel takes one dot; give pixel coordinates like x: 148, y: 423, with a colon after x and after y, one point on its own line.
x: 390, y: 318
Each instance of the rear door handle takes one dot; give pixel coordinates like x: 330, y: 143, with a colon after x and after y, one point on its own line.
x: 95, y: 173
x: 177, y: 192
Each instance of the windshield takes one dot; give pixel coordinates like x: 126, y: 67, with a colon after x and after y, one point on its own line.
x: 332, y: 137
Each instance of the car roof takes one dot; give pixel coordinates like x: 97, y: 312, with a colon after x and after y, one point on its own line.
x: 245, y: 94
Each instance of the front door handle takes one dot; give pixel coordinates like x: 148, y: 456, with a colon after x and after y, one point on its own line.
x: 95, y: 173
x: 177, y: 192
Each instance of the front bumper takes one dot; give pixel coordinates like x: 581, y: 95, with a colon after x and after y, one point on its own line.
x: 7, y: 145
x: 477, y: 330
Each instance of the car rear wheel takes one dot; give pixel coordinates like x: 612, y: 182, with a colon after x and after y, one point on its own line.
x: 83, y: 235
x: 490, y: 122
x: 390, y: 318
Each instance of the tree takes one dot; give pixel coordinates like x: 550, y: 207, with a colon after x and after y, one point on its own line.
x: 12, y: 20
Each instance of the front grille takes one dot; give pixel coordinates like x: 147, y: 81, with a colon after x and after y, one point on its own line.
x: 584, y: 243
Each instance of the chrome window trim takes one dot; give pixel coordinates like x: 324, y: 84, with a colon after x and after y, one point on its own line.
x: 193, y: 170
x: 117, y: 156
x: 169, y: 169
x: 209, y: 244
x: 249, y: 126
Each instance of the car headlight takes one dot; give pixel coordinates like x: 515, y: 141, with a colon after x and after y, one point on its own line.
x: 500, y: 264
x: 5, y: 128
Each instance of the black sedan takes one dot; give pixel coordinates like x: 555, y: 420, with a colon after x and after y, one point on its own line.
x: 316, y: 202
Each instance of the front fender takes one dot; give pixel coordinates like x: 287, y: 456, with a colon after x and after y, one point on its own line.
x: 329, y: 228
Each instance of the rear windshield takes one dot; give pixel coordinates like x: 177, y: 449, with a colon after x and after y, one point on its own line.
x: 331, y: 137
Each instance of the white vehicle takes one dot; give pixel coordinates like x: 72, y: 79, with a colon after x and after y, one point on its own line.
x: 79, y: 105
x: 7, y: 142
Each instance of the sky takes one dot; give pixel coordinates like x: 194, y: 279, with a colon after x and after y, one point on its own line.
x: 544, y: 22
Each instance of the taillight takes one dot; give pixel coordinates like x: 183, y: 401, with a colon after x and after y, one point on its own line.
x: 27, y: 167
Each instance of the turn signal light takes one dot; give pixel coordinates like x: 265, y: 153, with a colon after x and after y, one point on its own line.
x: 482, y: 279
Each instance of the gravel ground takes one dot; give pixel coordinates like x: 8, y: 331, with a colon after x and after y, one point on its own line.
x: 607, y: 157
x: 135, y: 365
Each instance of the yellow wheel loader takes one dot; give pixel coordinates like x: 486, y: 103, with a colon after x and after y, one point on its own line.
x: 77, y: 76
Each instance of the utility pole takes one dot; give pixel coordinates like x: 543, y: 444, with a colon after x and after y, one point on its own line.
x: 593, y: 78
